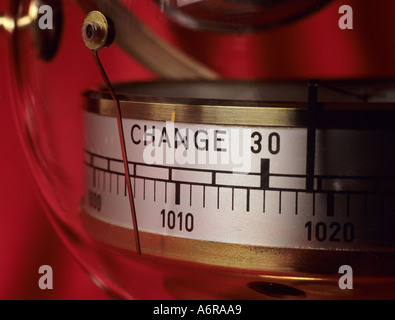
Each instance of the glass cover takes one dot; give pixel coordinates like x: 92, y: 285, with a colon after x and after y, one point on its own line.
x: 173, y: 40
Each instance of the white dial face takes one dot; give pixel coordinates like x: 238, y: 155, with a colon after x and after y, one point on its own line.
x: 242, y: 184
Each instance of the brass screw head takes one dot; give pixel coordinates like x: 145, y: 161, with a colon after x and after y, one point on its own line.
x: 97, y: 31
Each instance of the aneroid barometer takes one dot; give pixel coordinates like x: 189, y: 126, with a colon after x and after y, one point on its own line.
x: 198, y: 149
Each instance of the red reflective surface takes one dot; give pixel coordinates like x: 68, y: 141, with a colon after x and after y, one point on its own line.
x: 313, y: 47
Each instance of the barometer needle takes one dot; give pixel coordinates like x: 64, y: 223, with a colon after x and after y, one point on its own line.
x: 98, y: 33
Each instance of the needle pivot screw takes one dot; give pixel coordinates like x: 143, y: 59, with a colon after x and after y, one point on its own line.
x: 98, y: 31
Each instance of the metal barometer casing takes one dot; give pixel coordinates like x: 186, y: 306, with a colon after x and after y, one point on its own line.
x: 254, y: 212
x: 197, y: 185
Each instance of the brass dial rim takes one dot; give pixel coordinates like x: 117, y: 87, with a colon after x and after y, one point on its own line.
x: 349, y: 113
x: 255, y: 259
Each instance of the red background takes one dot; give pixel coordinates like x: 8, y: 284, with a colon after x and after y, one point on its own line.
x: 27, y: 240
